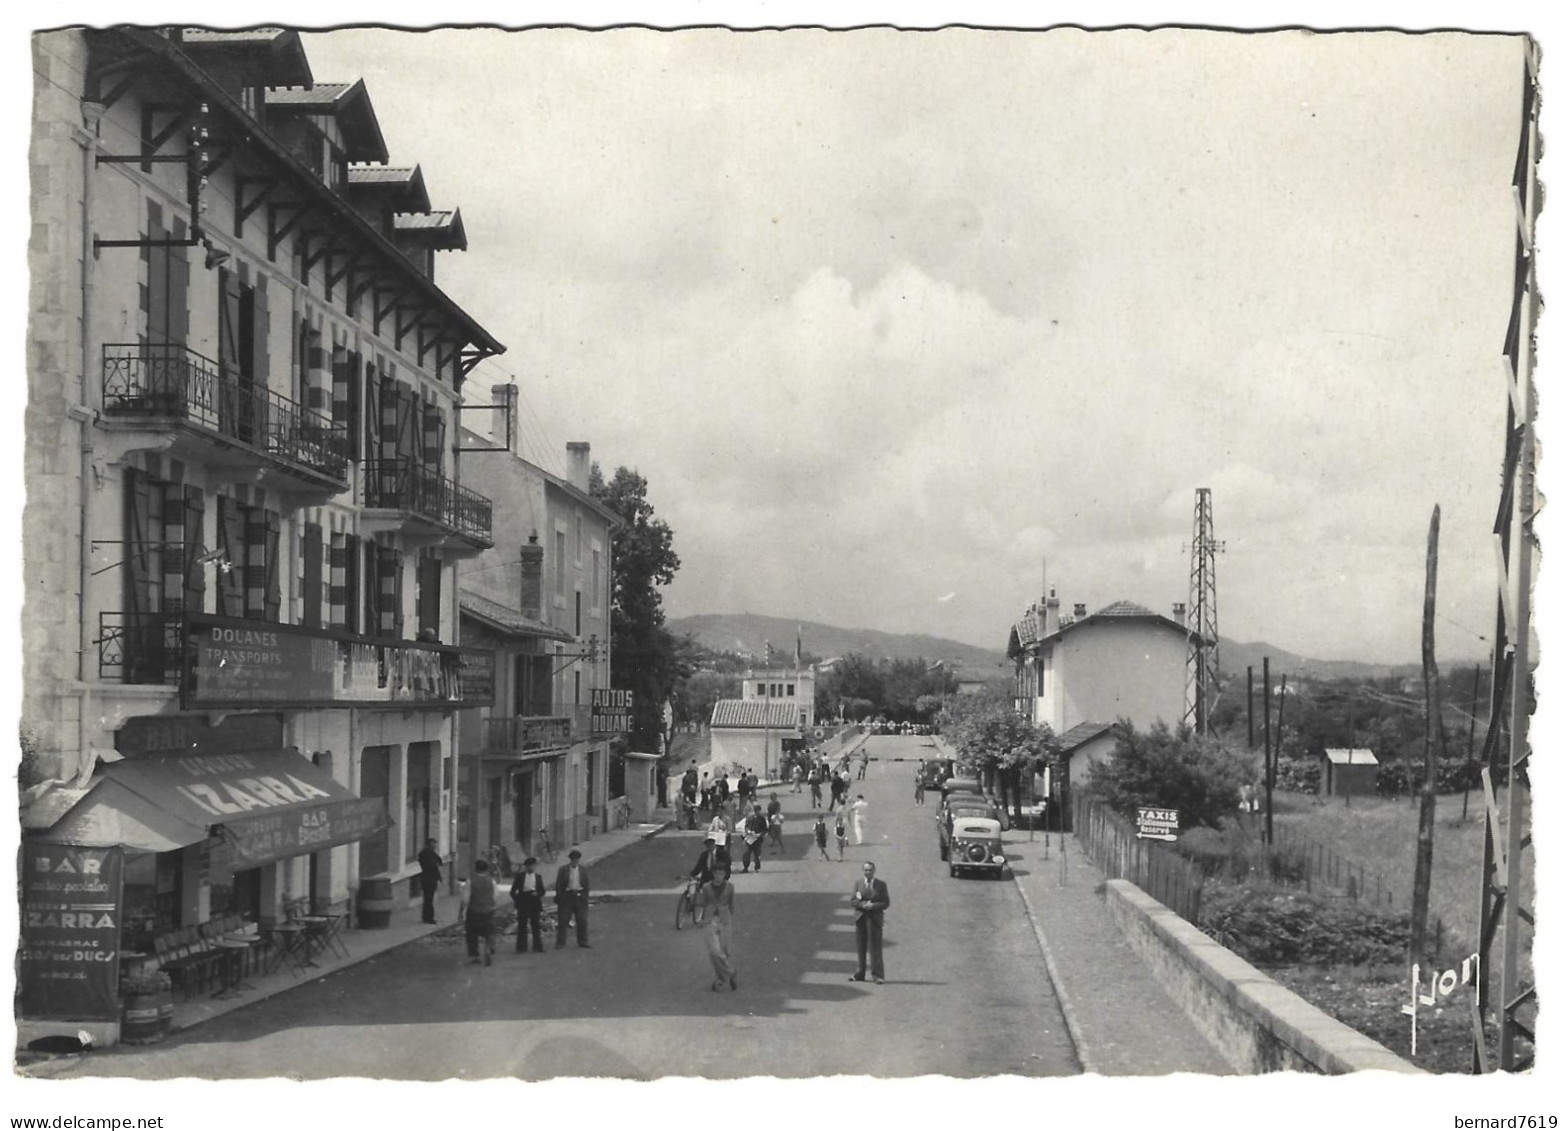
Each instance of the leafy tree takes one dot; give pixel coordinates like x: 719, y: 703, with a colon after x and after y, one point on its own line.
x: 996, y: 744
x: 695, y: 699
x: 1178, y: 770
x: 647, y: 658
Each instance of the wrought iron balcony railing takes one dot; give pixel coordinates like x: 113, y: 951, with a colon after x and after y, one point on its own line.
x: 402, y: 484
x: 170, y: 381
x: 140, y: 647
x: 520, y: 734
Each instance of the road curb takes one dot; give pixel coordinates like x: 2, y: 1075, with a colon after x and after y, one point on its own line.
x: 1074, y: 1032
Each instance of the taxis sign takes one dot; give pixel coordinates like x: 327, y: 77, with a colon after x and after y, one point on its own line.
x: 1157, y: 824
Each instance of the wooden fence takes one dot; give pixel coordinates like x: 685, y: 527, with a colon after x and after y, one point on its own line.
x: 1112, y: 843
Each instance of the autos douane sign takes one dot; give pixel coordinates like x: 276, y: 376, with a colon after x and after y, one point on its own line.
x: 611, y: 711
x: 1157, y: 824
x: 235, y: 663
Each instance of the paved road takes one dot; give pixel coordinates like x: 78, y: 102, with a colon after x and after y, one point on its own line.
x: 967, y: 992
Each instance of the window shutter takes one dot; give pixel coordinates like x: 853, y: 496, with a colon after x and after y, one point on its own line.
x: 353, y: 581
x: 157, y: 278
x: 407, y: 438
x: 365, y: 377
x: 173, y: 555
x: 231, y: 540
x: 195, y: 524
x: 177, y: 264
x: 310, y: 548
x: 138, y: 545
x: 434, y: 439
x: 228, y: 323
x: 261, y: 360
x: 389, y: 596
x: 272, y: 598
x: 389, y: 407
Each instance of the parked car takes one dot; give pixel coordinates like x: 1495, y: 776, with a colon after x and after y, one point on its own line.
x: 976, y: 847
x: 936, y: 771
x: 959, y: 807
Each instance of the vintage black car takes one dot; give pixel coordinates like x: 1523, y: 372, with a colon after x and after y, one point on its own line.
x: 976, y: 847
x: 960, y: 806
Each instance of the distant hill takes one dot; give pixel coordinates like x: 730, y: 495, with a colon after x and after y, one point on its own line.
x: 747, y: 632
x: 744, y: 632
x: 1234, y: 658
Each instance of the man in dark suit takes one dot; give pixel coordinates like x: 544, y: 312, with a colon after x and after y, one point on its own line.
x: 429, y: 879
x: 870, y: 900
x: 527, y: 895
x: 571, y: 899
x: 708, y: 863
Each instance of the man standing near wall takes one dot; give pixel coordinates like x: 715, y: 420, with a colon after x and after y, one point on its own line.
x: 429, y: 878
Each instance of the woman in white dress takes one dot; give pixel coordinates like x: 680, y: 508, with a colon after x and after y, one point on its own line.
x: 718, y: 901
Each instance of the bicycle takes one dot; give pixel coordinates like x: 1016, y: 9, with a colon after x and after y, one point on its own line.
x: 687, y: 904
x: 546, y: 850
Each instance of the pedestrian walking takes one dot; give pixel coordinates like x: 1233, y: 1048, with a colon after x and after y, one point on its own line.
x: 919, y: 787
x: 429, y: 879
x: 816, y: 787
x: 865, y: 762
x: 479, y: 922
x: 820, y: 831
x: 571, y: 899
x: 840, y: 830
x: 719, y: 829
x: 775, y: 826
x: 798, y: 777
x: 527, y: 896
x: 870, y: 900
x: 859, y: 807
x: 755, y: 831
x: 718, y: 906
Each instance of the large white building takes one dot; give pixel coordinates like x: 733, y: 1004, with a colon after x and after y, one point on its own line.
x: 244, y: 504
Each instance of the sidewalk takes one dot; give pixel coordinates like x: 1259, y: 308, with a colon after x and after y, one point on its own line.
x: 405, y: 927
x: 1120, y: 1017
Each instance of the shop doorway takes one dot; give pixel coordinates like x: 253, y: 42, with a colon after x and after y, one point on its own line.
x: 522, y: 810
x: 420, y: 764
x: 492, y: 826
x: 375, y: 780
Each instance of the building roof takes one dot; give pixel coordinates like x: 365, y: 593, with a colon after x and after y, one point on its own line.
x: 499, y: 617
x: 272, y: 56
x: 1081, y: 735
x: 1342, y: 756
x: 1025, y: 635
x: 442, y: 230
x: 348, y: 102
x: 755, y: 714
x: 405, y: 183
x: 181, y: 65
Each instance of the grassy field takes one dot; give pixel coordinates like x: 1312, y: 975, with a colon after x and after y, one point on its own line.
x: 1380, y: 835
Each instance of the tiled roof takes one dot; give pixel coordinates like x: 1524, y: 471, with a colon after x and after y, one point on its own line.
x: 1126, y: 609
x: 1080, y: 734
x: 507, y: 620
x: 382, y: 174
x: 321, y: 94
x: 1027, y: 630
x: 1359, y: 756
x: 755, y: 714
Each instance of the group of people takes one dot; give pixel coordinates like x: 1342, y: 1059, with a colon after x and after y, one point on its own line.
x: 480, y: 894
x: 702, y: 793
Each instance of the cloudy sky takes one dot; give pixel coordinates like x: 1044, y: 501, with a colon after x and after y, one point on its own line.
x: 892, y: 322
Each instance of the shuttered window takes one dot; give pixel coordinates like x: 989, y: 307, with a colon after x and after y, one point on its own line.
x: 231, y: 541
x: 429, y: 596
x: 311, y: 576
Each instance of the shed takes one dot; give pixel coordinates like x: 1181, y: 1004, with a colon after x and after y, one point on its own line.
x: 641, y: 784
x: 1348, y: 773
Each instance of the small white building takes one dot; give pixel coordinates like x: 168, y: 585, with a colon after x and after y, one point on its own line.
x: 793, y: 687
x: 752, y: 732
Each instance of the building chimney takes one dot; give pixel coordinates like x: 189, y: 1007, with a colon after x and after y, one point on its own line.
x: 503, y: 421
x: 1179, y: 611
x: 579, y: 464
x: 532, y: 591
x: 1052, y: 613
x: 1079, y: 612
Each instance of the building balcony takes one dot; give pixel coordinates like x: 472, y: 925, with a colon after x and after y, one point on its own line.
x: 146, y: 648
x: 526, y: 734
x: 426, y: 505
x: 206, y: 415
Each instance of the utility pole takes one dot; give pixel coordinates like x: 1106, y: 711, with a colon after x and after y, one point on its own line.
x: 1474, y: 710
x: 1267, y: 755
x: 1202, y: 618
x: 1251, y: 726
x: 1425, y: 837
x: 1512, y: 671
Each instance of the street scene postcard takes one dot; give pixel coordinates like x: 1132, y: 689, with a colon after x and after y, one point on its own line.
x: 938, y: 566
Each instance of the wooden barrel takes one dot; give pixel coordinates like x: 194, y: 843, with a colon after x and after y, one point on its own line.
x: 375, y: 903
x: 142, y: 1024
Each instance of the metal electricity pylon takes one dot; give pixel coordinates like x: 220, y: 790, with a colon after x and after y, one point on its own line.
x: 1503, y: 917
x: 1202, y: 618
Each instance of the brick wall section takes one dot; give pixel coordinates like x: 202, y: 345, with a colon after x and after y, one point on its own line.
x: 1255, y: 1023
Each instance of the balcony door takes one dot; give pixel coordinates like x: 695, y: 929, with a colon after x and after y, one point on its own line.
x: 531, y: 689
x: 242, y: 356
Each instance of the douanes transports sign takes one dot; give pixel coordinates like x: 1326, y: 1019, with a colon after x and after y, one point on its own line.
x: 239, y: 663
